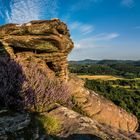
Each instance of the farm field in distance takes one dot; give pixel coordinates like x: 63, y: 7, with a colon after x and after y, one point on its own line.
x: 99, y: 77
x: 112, y: 78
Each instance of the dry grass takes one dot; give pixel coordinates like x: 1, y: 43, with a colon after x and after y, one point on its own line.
x: 100, y: 77
x: 137, y: 78
x: 126, y: 87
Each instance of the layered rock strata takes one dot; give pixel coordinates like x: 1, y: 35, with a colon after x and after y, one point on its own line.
x: 48, y: 40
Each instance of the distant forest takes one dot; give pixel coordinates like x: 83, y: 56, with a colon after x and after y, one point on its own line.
x: 127, y: 69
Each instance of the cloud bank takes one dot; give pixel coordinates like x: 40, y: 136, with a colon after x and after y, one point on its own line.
x: 90, y: 42
x: 137, y: 27
x: 128, y: 3
x: 81, y: 27
x: 21, y: 11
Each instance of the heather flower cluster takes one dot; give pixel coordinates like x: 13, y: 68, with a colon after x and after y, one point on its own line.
x: 29, y: 87
x: 11, y: 80
x: 40, y: 91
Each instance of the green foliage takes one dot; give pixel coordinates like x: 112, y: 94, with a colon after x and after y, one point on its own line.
x: 124, y: 69
x: 77, y: 107
x: 91, y: 69
x: 50, y: 124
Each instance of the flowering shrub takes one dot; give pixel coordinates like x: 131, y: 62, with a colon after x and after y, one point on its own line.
x: 40, y: 91
x: 29, y: 87
x: 11, y: 79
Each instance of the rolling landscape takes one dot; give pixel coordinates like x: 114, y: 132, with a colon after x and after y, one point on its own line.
x: 69, y: 70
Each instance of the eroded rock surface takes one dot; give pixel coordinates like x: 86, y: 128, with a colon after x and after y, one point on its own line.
x: 74, y: 124
x: 48, y: 40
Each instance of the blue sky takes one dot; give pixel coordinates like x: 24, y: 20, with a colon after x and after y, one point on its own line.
x: 100, y: 29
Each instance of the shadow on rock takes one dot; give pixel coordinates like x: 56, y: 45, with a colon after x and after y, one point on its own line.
x: 11, y: 80
x: 79, y: 137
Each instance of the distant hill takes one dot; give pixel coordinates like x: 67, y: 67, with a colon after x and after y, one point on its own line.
x: 86, y: 61
x: 106, y: 62
x: 111, y: 62
x: 125, y: 68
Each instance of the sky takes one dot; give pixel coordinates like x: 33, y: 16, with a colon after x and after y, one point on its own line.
x: 100, y: 29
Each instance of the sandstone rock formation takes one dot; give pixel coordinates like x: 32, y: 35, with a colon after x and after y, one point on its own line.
x: 48, y: 40
x: 74, y: 123
x: 49, y: 43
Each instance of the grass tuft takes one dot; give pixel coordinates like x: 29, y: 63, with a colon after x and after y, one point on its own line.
x: 50, y: 124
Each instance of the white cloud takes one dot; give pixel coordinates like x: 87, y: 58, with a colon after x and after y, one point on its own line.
x: 90, y: 42
x: 85, y: 29
x: 137, y: 27
x: 105, y: 36
x: 2, y: 7
x: 81, y: 28
x: 74, y: 25
x: 25, y: 10
x: 128, y: 3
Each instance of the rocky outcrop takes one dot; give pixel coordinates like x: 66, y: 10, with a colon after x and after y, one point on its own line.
x: 48, y: 40
x: 16, y: 126
x: 48, y: 43
x: 75, y: 124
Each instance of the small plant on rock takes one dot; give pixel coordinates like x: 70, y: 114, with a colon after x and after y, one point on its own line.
x: 50, y: 124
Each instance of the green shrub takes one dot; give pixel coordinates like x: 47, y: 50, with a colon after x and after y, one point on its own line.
x: 50, y: 124
x: 77, y: 107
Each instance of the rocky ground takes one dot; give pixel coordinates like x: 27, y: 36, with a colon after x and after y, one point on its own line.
x: 74, y: 126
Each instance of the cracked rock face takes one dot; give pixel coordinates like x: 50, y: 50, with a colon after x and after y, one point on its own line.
x: 48, y: 40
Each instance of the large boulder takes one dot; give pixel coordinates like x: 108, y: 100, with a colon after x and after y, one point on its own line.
x: 78, y: 127
x: 45, y: 39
